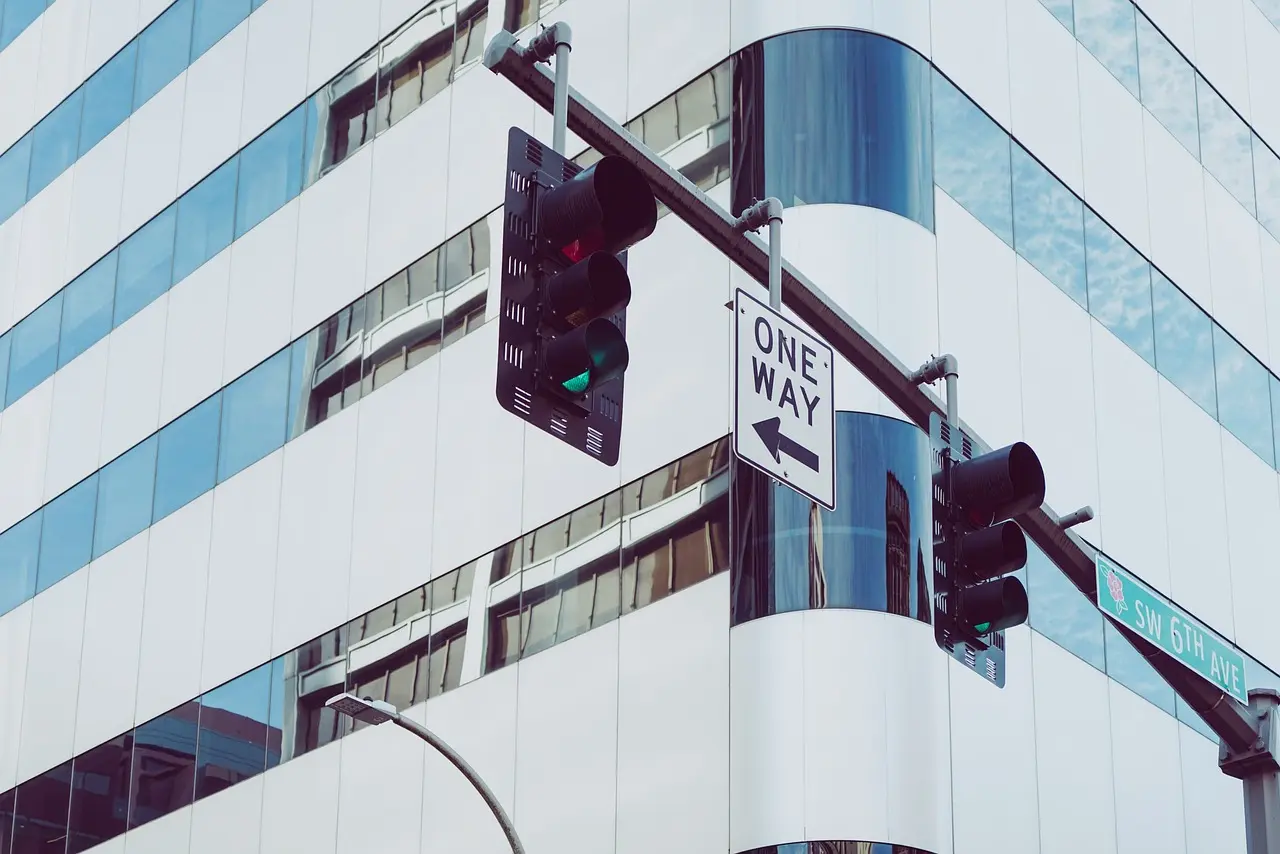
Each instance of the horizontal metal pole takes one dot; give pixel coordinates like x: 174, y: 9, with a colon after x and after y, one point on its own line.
x: 504, y: 56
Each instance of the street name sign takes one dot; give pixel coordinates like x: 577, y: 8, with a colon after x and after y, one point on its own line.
x: 1137, y: 607
x: 783, y: 412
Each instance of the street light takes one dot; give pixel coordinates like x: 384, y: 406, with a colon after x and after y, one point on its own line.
x: 379, y: 712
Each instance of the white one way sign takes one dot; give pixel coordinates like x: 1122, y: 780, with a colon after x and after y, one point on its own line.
x: 783, y: 415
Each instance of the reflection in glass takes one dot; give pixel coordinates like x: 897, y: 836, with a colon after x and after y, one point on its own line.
x: 340, y: 117
x: 1049, y: 226
x: 145, y: 266
x: 1226, y: 147
x: 13, y: 177
x: 874, y: 552
x: 1168, y: 85
x: 1188, y: 716
x: 164, y: 755
x: 19, y: 554
x: 164, y: 50
x: 187, y: 457
x: 213, y: 20
x: 846, y: 119
x: 1060, y: 612
x: 415, y: 63
x: 18, y: 15
x: 1244, y: 395
x: 1106, y: 29
x: 40, y: 811
x: 87, y: 305
x: 253, y: 415
x: 1127, y: 666
x: 270, y: 171
x: 1184, y: 343
x: 234, y: 733
x: 972, y: 159
x: 837, y: 847
x: 54, y: 143
x: 100, y: 793
x: 1061, y: 10
x: 1275, y: 412
x: 33, y: 355
x: 125, y: 488
x: 66, y: 541
x: 206, y: 214
x: 1119, y: 286
x: 1266, y: 167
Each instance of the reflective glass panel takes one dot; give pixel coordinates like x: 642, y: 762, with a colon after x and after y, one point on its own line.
x: 13, y: 177
x: 1119, y: 286
x: 1061, y: 10
x: 1168, y: 85
x: 1106, y: 29
x: 18, y: 15
x: 1184, y: 343
x: 1060, y: 612
x: 1244, y: 395
x: 108, y: 97
x: 1127, y: 666
x: 270, y: 171
x: 1226, y: 146
x: 145, y: 265
x: 254, y: 408
x: 1270, y: 8
x: 87, y: 306
x: 1049, y: 226
x: 54, y: 143
x: 275, y: 716
x: 206, y: 219
x: 164, y: 752
x: 19, y: 555
x: 164, y: 50
x: 33, y: 354
x: 1266, y: 166
x: 972, y: 159
x: 213, y: 20
x: 1275, y: 412
x: 1188, y: 716
x: 40, y: 812
x: 66, y: 542
x: 233, y: 732
x: 846, y: 119
x: 187, y: 457
x: 125, y: 488
x: 100, y: 793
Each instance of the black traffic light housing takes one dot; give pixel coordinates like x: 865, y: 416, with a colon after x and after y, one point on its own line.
x: 562, y: 348
x: 976, y: 546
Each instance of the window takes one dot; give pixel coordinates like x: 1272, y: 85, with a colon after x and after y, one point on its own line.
x: 13, y: 177
x: 415, y: 64
x: 99, y: 787
x: 19, y: 553
x: 971, y: 161
x: 1244, y: 389
x: 18, y: 15
x: 187, y: 457
x: 54, y: 143
x: 270, y: 171
x: 1049, y: 226
x: 206, y: 219
x: 1061, y: 10
x: 1119, y: 286
x: 40, y: 811
x: 1127, y: 666
x: 253, y: 415
x: 1184, y: 343
x: 233, y: 732
x: 1106, y: 29
x: 145, y: 265
x: 1225, y: 145
x: 1168, y: 85
x: 164, y: 50
x: 213, y: 20
x: 87, y: 305
x: 164, y: 754
x: 66, y: 542
x: 108, y: 97
x: 1061, y: 613
x: 125, y: 490
x: 1267, y: 179
x: 34, y: 351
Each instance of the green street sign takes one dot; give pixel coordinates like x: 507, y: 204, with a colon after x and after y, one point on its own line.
x: 1136, y: 606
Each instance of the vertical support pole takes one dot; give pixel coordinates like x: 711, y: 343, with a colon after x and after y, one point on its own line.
x: 773, y: 209
x: 1258, y: 767
x: 556, y: 41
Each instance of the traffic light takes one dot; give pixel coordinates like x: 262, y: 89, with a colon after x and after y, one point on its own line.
x: 562, y: 347
x: 977, y: 546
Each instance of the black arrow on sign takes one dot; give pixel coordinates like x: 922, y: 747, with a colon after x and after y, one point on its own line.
x: 779, y: 444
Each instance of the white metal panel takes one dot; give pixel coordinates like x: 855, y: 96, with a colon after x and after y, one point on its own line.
x: 753, y: 20
x: 135, y: 363
x: 1271, y: 288
x: 44, y: 245
x: 1148, y: 775
x: 1199, y: 576
x: 313, y: 574
x: 906, y: 21
x: 215, y: 84
x: 1075, y: 783
x: 173, y: 617
x: 767, y: 792
x: 567, y: 745
x: 410, y: 175
x: 275, y: 64
x: 242, y: 572
x: 1213, y: 803
x: 10, y: 246
x: 1220, y: 49
x: 300, y: 804
x: 112, y: 642
x: 694, y: 38
x: 170, y: 834
x: 333, y: 230
x: 53, y: 676
x: 673, y: 655
x: 75, y: 423
x: 94, y: 226
x: 24, y: 447
x: 64, y: 38
x: 260, y: 299
x: 971, y: 46
x: 1176, y: 19
x: 1262, y: 49
x: 1045, y: 89
x: 600, y: 55
x: 1130, y: 459
x: 230, y: 820
x: 978, y: 297
x: 340, y: 33
x: 112, y: 23
x: 151, y: 166
x: 380, y: 791
x: 1253, y: 517
x: 19, y: 63
x: 1236, y: 263
x: 15, y: 635
x: 1175, y: 197
x: 194, y: 337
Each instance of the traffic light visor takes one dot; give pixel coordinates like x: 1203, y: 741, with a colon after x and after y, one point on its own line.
x: 995, y: 605
x: 999, y: 485
x: 591, y: 354
x: 596, y: 287
x: 606, y: 207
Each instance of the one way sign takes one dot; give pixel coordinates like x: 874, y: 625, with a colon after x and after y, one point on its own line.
x: 783, y: 415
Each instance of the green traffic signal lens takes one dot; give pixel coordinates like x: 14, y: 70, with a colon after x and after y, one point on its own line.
x: 982, y: 628
x: 583, y: 358
x: 578, y: 384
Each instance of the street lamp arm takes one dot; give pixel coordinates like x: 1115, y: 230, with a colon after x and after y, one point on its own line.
x: 470, y: 773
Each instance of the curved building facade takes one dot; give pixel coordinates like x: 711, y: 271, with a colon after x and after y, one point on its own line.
x: 250, y: 456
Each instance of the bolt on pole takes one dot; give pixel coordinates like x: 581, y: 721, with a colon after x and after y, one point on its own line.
x: 556, y: 41
x: 768, y: 211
